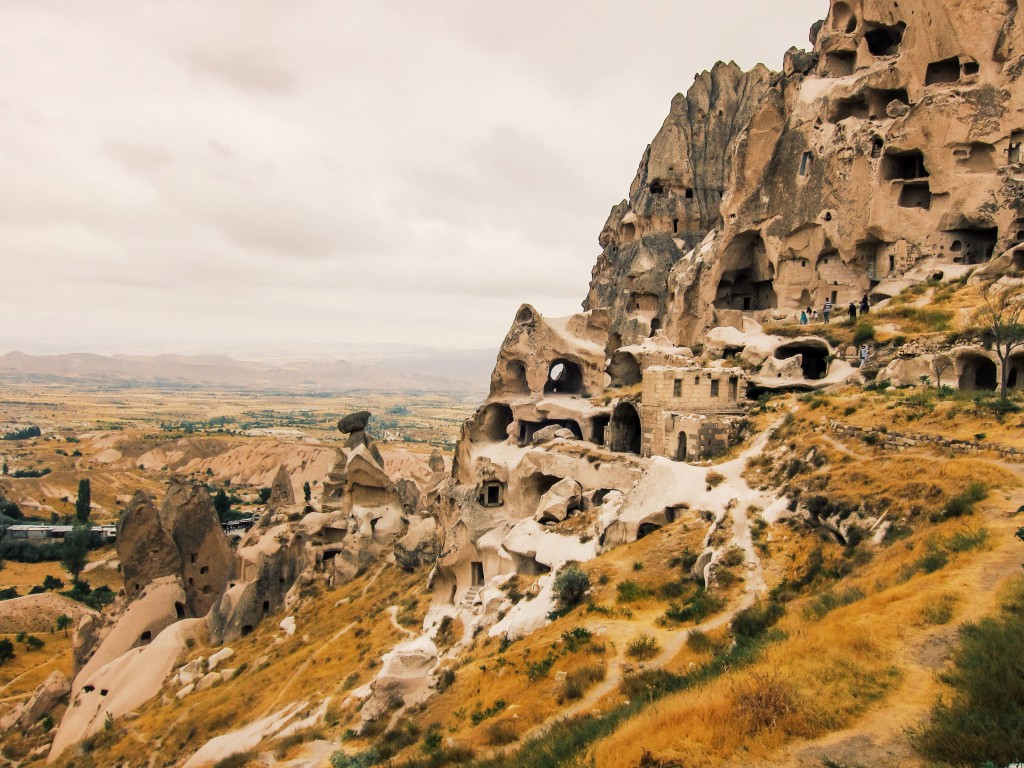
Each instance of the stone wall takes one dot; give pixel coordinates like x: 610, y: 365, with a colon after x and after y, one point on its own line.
x: 895, y: 441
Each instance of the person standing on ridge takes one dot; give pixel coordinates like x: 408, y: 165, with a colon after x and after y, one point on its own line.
x: 853, y: 310
x: 865, y: 304
x: 826, y: 310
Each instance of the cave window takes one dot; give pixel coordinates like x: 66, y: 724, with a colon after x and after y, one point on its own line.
x: 884, y: 40
x: 805, y: 163
x: 646, y: 529
x: 945, y: 71
x: 207, y: 589
x: 655, y: 326
x: 681, y: 447
x: 266, y: 607
x: 628, y: 233
x: 734, y: 388
x: 179, y: 610
x: 971, y: 67
x: 204, y: 570
x: 841, y: 63
x: 515, y: 378
x: 626, y: 429
x: 1014, y: 154
x: 477, y: 572
x: 146, y: 637
x: 247, y: 630
x: 689, y: 194
x: 696, y: 381
x: 813, y: 358
x: 493, y: 422
x: 675, y: 226
x: 677, y: 388
x: 956, y: 247
x: 845, y: 108
x: 714, y: 387
x: 194, y: 557
x: 657, y: 187
x: 904, y: 165
x: 978, y: 373
x: 564, y: 377
x: 490, y: 496
x: 599, y: 425
x: 916, y: 195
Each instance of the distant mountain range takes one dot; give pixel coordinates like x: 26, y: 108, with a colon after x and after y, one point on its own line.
x: 430, y: 370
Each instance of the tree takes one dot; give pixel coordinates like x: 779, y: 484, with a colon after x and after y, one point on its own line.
x: 6, y: 650
x: 571, y: 585
x: 6, y: 468
x: 941, y: 364
x: 63, y: 622
x: 307, y: 492
x: 222, y: 504
x: 84, y: 503
x: 1001, y: 316
x: 265, y: 495
x: 75, y: 552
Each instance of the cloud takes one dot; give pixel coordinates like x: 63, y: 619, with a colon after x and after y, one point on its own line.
x: 235, y: 173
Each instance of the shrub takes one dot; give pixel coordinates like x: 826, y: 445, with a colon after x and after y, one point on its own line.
x: 571, y: 585
x: 237, y: 760
x: 361, y: 760
x: 967, y: 539
x: 577, y: 682
x: 764, y: 701
x: 445, y: 632
x: 6, y: 650
x: 699, y: 642
x: 829, y: 600
x: 501, y: 733
x: 982, y: 719
x: 962, y: 504
x: 643, y: 647
x: 714, y: 479
x: 630, y: 591
x: 576, y: 638
x: 762, y: 615
x: 864, y: 332
x: 480, y: 714
x: 940, y: 612
x: 698, y: 607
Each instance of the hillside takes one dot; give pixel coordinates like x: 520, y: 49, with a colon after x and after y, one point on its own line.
x: 757, y: 504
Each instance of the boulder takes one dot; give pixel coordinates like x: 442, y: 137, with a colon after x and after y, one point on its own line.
x: 44, y: 698
x: 554, y: 505
x: 354, y: 422
x: 417, y: 547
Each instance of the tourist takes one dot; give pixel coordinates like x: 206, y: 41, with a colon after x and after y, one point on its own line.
x: 826, y: 311
x: 865, y: 304
x: 803, y: 318
x: 814, y: 316
x: 853, y: 310
x: 863, y: 355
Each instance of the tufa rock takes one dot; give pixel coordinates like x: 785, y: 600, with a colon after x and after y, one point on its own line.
x: 354, y: 422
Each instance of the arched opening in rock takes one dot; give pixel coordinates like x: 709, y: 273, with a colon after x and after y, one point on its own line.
x: 884, y: 39
x: 515, y: 378
x: 656, y: 187
x: 614, y: 343
x: 842, y: 109
x: 1015, y: 374
x: 246, y: 630
x: 477, y: 573
x: 179, y: 610
x: 524, y: 315
x: 840, y: 63
x: 266, y: 607
x: 598, y: 428
x: 655, y: 326
x: 624, y: 370
x: 814, y: 357
x: 146, y: 637
x: 879, y: 100
x: 564, y: 378
x: 646, y: 529
x: 681, y: 454
x: 843, y: 18
x: 628, y: 233
x: 945, y: 71
x: 904, y: 165
x: 527, y: 429
x: 916, y: 195
x: 977, y: 373
x: 626, y: 429
x: 492, y: 424
x: 492, y: 494
x: 746, y: 282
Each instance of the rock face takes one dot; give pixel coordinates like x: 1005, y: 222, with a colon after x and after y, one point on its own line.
x: 184, y: 540
x: 43, y: 699
x: 281, y: 491
x: 675, y: 199
x: 896, y: 158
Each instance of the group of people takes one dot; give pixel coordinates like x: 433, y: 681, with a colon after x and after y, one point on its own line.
x: 811, y: 315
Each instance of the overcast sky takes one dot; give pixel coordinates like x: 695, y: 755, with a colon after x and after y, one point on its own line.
x: 218, y: 176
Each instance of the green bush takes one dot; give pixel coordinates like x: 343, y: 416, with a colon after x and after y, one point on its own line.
x: 643, y: 647
x: 571, y: 585
x: 577, y: 682
x: 6, y: 650
x: 864, y: 332
x: 829, y: 600
x: 983, y: 719
x: 698, y: 607
x: 962, y: 504
x: 966, y: 540
x: 753, y: 621
x: 630, y: 591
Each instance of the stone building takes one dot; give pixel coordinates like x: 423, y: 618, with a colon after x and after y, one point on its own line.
x: 690, y: 413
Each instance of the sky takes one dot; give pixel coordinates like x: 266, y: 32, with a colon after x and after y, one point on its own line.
x: 231, y: 176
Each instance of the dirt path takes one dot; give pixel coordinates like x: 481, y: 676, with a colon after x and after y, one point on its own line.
x: 303, y: 667
x: 672, y: 641
x: 393, y: 613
